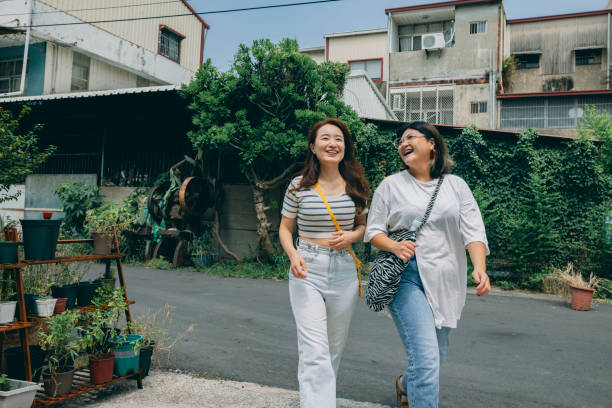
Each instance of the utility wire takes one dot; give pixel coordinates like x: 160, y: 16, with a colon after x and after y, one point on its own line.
x: 94, y: 8
x: 184, y: 15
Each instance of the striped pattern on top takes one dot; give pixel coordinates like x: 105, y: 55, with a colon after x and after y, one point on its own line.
x: 313, y: 219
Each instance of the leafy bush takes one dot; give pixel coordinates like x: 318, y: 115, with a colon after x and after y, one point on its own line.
x: 507, y: 285
x: 76, y: 199
x: 158, y: 263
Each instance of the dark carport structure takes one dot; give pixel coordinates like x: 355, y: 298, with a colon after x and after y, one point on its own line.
x: 127, y: 137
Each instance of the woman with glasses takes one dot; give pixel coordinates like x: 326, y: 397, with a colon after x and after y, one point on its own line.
x: 323, y: 283
x: 432, y: 289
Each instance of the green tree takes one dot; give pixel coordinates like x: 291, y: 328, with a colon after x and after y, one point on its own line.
x: 260, y: 111
x: 19, y: 153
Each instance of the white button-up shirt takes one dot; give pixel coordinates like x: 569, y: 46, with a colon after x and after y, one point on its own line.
x: 400, y: 202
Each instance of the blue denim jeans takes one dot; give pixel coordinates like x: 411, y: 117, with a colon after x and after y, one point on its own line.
x: 425, y: 345
x: 322, y: 304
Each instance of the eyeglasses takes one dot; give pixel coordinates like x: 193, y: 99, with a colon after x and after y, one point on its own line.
x: 404, y: 139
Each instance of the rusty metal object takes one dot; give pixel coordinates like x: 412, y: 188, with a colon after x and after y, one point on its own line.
x: 193, y: 196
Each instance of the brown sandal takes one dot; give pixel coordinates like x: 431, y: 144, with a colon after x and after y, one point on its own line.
x: 402, y: 398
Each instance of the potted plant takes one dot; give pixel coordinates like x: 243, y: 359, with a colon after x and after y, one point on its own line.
x: 40, y: 237
x: 60, y: 338
x: 7, y: 304
x: 154, y: 327
x: 570, y: 281
x: 66, y: 278
x: 14, y: 362
x: 36, y: 284
x: 203, y: 249
x: 8, y: 240
x: 45, y: 306
x: 101, y: 327
x: 16, y: 393
x: 101, y: 222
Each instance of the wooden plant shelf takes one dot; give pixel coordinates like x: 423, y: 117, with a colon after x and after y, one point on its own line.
x: 81, y: 385
x: 83, y: 309
x: 15, y: 326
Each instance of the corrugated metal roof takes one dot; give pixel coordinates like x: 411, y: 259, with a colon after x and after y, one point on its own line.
x: 90, y: 94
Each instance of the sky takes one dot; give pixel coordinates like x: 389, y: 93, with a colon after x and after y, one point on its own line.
x: 308, y: 23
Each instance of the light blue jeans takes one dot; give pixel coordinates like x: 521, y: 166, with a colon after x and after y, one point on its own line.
x: 425, y: 345
x: 322, y: 305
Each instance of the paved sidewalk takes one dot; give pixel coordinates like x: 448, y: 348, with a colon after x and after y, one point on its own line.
x: 169, y: 389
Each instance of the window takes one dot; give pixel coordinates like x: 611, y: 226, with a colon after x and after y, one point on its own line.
x: 141, y: 82
x: 80, y: 73
x: 478, y: 27
x: 527, y: 61
x: 431, y: 104
x: 478, y: 107
x: 170, y: 43
x: 10, y: 75
x: 373, y: 68
x: 410, y: 35
x: 588, y: 57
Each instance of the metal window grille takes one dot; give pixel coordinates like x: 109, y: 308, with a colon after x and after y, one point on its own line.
x: 588, y: 57
x: 80, y: 73
x: 169, y: 44
x: 478, y: 27
x: 430, y: 104
x: 482, y: 107
x: 527, y: 61
x: 550, y: 113
x: 10, y: 75
x: 474, y: 107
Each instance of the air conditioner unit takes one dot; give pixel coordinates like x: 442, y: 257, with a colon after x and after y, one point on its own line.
x: 433, y: 41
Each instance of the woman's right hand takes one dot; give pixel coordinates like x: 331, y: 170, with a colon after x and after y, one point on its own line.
x: 298, y: 265
x: 404, y: 250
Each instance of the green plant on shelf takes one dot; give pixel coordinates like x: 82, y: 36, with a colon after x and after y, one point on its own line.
x: 36, y: 280
x: 60, y: 337
x: 6, y: 222
x: 5, y: 385
x: 102, y: 323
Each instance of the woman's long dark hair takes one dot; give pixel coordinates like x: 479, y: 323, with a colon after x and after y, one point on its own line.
x: 351, y: 170
x: 441, y: 163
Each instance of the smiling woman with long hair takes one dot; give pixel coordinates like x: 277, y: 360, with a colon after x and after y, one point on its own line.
x: 323, y: 282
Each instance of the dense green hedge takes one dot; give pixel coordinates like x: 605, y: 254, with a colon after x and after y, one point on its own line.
x: 544, y: 200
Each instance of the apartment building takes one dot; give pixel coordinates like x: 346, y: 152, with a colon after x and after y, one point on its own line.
x: 74, y: 46
x: 562, y: 63
x: 450, y: 63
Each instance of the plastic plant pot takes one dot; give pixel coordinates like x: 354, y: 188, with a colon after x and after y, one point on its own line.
x: 127, y: 353
x: 14, y: 362
x: 20, y: 395
x: 45, y: 307
x: 101, y: 368
x: 40, y: 238
x: 68, y: 291
x: 8, y: 252
x: 7, y: 311
x: 60, y: 305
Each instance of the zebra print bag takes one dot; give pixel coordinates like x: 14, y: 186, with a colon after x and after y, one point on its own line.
x: 387, y: 268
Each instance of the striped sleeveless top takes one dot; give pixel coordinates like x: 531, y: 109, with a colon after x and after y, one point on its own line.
x: 313, y: 219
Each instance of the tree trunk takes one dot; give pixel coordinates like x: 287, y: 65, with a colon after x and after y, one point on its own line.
x: 263, y: 225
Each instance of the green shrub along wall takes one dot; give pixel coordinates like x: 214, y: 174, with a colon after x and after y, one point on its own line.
x: 544, y: 201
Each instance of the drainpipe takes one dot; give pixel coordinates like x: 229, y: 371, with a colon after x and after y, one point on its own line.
x: 608, y: 55
x: 389, y: 42
x: 26, y: 47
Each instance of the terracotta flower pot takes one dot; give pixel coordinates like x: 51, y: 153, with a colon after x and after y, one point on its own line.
x: 581, y: 297
x: 60, y: 305
x: 101, y: 367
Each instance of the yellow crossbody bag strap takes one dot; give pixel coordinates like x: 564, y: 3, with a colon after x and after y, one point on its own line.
x: 333, y: 217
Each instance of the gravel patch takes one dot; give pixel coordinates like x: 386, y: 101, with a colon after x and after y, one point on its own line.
x: 163, y: 389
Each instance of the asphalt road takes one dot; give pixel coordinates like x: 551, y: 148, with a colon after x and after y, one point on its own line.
x: 509, y: 351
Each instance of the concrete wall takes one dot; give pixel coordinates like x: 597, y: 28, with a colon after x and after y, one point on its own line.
x: 464, y: 95
x: 35, y: 76
x: 317, y: 55
x: 238, y: 220
x: 143, y: 33
x: 100, y: 44
x: 359, y: 47
x: 14, y: 208
x: 40, y: 190
x: 115, y: 194
x: 557, y: 41
x: 472, y: 54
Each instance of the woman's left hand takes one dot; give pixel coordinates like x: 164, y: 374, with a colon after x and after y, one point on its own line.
x: 340, y: 241
x: 482, y: 279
